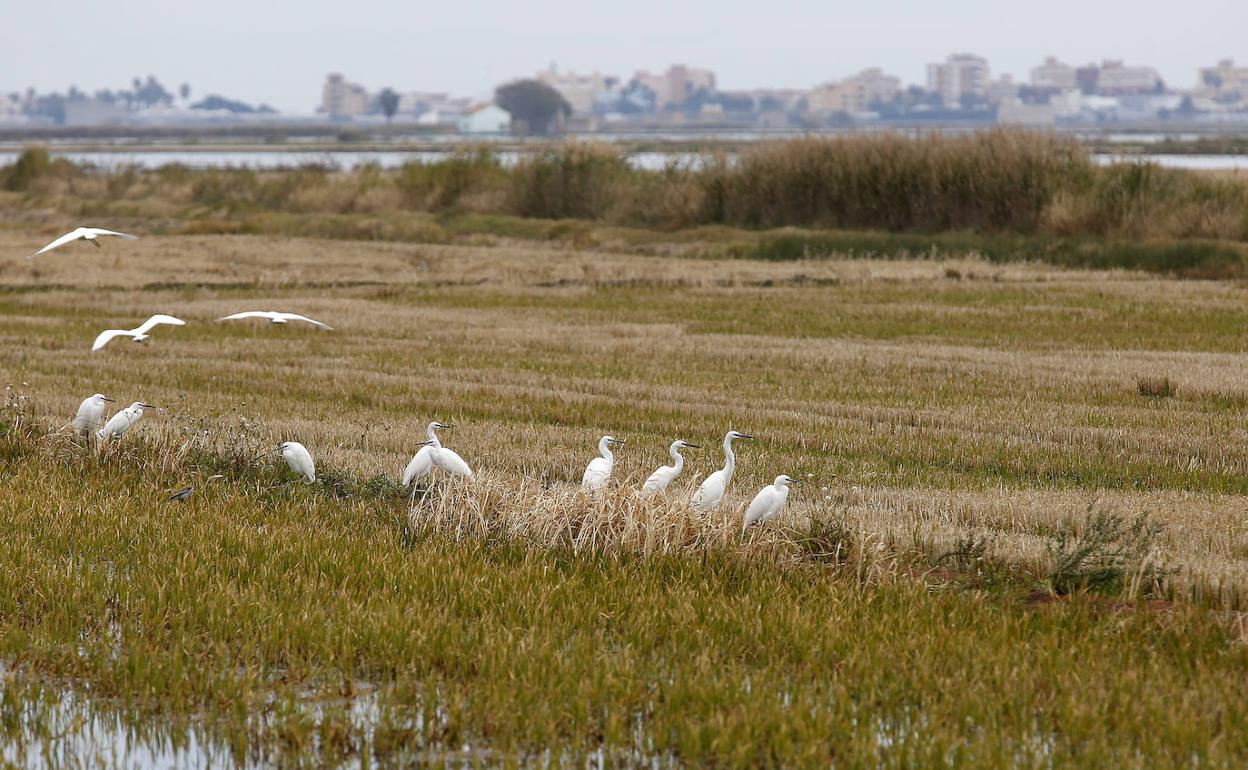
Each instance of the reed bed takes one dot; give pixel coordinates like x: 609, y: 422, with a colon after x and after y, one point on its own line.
x: 995, y: 182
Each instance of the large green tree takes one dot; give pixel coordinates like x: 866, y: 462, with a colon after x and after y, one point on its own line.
x: 389, y: 102
x: 535, y: 107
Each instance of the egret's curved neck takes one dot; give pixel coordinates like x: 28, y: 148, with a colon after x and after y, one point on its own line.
x: 604, y: 449
x: 429, y: 434
x: 730, y: 458
x: 678, y: 460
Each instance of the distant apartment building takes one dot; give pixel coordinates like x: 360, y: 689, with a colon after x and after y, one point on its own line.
x: 10, y: 106
x: 854, y: 94
x: 580, y: 91
x: 1224, y: 82
x: 1117, y: 79
x: 1003, y: 89
x: 958, y: 76
x: 1053, y: 75
x: 417, y: 102
x: 340, y: 99
x: 677, y: 84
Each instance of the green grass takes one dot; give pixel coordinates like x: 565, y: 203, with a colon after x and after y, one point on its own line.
x: 249, y: 598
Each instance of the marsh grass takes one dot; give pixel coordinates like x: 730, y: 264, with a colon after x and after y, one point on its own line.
x: 1156, y: 387
x: 952, y: 431
x: 262, y: 619
x: 1005, y: 195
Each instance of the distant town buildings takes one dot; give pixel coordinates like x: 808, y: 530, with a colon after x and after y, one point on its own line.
x: 960, y: 90
x: 1224, y: 82
x: 856, y: 93
x: 1117, y: 79
x: 580, y: 91
x: 340, y: 99
x: 677, y: 84
x: 962, y: 76
x: 1053, y: 76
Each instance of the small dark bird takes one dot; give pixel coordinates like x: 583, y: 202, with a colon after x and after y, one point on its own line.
x: 183, y: 494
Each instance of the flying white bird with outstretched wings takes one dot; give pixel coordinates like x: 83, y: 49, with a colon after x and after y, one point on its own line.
x: 274, y: 317
x: 88, y: 234
x: 139, y: 334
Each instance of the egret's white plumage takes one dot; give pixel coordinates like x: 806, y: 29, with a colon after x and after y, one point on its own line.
x: 711, y: 492
x: 768, y: 502
x: 90, y: 414
x: 420, y: 464
x: 659, y: 480
x: 88, y: 234
x: 274, y: 317
x: 139, y: 333
x: 431, y: 454
x: 123, y: 421
x: 598, y: 472
x: 299, y: 460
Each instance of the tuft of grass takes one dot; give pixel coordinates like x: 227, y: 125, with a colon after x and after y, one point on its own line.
x: 1098, y: 552
x: 1156, y: 387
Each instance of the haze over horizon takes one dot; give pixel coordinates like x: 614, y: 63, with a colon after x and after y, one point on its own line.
x: 279, y: 53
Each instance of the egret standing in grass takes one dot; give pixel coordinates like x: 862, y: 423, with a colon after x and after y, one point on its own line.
x: 89, y: 234
x: 598, y: 472
x: 431, y: 454
x: 139, y: 333
x: 123, y: 421
x: 299, y: 460
x: 711, y: 492
x: 90, y: 414
x: 659, y: 480
x: 768, y: 502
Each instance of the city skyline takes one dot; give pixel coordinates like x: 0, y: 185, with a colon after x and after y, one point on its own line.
x: 282, y: 54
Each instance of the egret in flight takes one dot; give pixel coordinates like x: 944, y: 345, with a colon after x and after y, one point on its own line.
x: 138, y: 334
x: 88, y: 234
x: 659, y: 480
x: 299, y: 460
x: 90, y: 414
x: 431, y: 454
x: 274, y: 317
x: 123, y: 421
x: 768, y: 502
x: 711, y: 492
x: 598, y: 472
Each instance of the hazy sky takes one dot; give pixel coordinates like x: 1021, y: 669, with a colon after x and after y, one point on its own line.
x: 278, y: 51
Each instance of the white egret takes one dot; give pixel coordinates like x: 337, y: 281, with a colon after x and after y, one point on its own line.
x: 711, y: 492
x: 431, y: 454
x: 139, y: 333
x: 299, y: 460
x: 123, y: 421
x: 659, y: 480
x: 88, y: 234
x: 274, y: 317
x: 598, y: 472
x: 90, y: 414
x: 768, y: 502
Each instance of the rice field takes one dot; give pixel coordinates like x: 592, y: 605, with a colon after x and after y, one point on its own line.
x: 1019, y: 540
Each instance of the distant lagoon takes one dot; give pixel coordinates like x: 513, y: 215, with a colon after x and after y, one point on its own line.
x: 346, y: 159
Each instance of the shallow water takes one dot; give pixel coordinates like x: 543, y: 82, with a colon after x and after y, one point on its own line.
x: 652, y: 161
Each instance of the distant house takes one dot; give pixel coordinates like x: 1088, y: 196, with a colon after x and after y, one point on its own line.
x: 486, y: 118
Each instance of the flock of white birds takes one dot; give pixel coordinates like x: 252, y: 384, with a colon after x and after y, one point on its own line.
x: 89, y: 422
